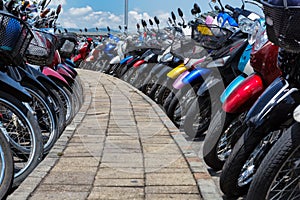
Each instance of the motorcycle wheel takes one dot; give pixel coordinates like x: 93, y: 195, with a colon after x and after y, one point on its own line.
x: 278, y: 175
x: 197, y: 117
x: 218, y: 142
x: 180, y: 104
x: 6, y: 167
x: 245, y: 158
x: 45, y: 116
x: 24, y: 135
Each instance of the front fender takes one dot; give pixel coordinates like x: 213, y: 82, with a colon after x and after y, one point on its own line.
x: 196, y: 75
x: 274, y: 107
x: 209, y: 83
x: 125, y: 59
x: 115, y: 60
x: 55, y: 75
x: 14, y: 88
x: 231, y: 87
x: 174, y: 73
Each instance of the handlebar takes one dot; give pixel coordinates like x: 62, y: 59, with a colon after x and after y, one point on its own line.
x: 228, y: 7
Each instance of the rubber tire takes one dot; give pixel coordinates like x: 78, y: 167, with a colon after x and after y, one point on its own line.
x: 177, y: 100
x: 214, y: 133
x: 8, y: 174
x: 43, y: 98
x: 199, y: 104
x: 234, y: 164
x: 273, y: 162
x: 38, y: 153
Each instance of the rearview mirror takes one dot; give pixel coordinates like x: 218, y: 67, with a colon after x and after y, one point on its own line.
x: 120, y: 27
x: 197, y: 8
x: 173, y: 16
x: 156, y: 20
x: 180, y: 13
x: 108, y: 29
x: 150, y: 22
x: 138, y: 26
x: 58, y: 9
x: 43, y: 3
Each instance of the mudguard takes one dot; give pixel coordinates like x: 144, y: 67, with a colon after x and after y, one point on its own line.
x: 65, y: 74
x: 244, y: 95
x: 67, y: 69
x: 70, y: 67
x: 55, y: 76
x: 123, y: 61
x: 26, y: 77
x: 231, y: 87
x: 178, y: 84
x: 196, y: 75
x: 174, y: 73
x: 42, y: 77
x: 211, y: 83
x: 274, y: 107
x: 14, y: 88
x: 115, y: 60
x: 70, y: 62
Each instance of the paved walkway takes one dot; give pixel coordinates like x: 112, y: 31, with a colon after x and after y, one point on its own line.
x: 120, y: 145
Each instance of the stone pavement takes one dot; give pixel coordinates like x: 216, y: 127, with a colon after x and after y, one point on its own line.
x: 120, y: 145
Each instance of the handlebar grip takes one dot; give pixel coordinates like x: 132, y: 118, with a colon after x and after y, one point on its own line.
x: 45, y: 12
x: 229, y: 7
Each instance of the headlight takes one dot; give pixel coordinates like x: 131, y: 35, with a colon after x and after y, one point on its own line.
x: 167, y: 57
x: 261, y: 37
x: 245, y: 24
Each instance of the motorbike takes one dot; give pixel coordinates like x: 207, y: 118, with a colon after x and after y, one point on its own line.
x: 272, y: 113
x: 217, y: 144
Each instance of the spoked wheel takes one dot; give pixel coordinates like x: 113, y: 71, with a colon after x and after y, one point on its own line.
x: 180, y: 103
x: 198, y: 117
x: 22, y: 129
x: 220, y: 139
x: 278, y: 176
x: 66, y: 97
x: 46, y: 118
x: 251, y: 165
x: 246, y: 156
x: 6, y: 166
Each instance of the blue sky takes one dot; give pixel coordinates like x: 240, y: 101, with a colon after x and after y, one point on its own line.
x: 101, y: 13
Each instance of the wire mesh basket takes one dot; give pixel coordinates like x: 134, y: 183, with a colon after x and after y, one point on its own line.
x: 15, y: 37
x: 41, y: 48
x: 283, y: 28
x: 210, y: 36
x: 67, y: 44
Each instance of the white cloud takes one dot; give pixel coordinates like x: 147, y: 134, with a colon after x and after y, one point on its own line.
x: 80, y: 11
x: 87, y: 17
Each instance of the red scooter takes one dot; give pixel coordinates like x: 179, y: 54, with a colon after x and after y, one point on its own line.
x: 222, y: 135
x: 83, y: 51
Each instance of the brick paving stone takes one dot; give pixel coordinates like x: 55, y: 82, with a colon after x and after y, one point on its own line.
x: 157, y: 179
x: 173, y: 196
x: 74, y: 177
x: 54, y: 195
x: 116, y: 193
x: 119, y: 182
x: 121, y: 173
x: 177, y: 189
